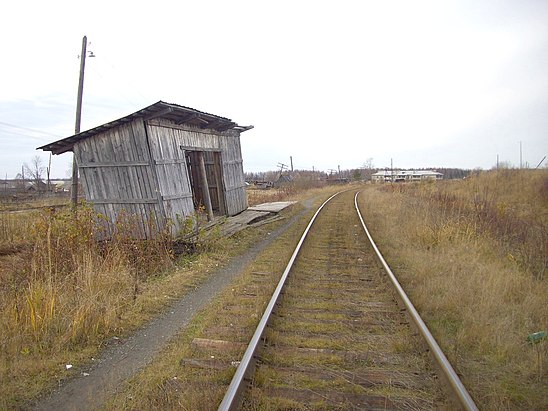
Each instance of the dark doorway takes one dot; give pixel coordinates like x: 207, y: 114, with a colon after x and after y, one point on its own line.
x: 213, y: 178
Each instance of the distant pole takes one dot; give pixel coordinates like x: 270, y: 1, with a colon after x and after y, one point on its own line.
x: 74, y: 194
x: 291, y: 160
x: 391, y: 171
x: 497, y: 161
x: 541, y: 161
x: 520, y: 158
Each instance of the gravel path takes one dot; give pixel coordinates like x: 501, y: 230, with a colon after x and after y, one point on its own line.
x: 122, y: 360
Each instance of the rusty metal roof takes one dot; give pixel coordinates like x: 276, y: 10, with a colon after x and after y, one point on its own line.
x: 174, y: 112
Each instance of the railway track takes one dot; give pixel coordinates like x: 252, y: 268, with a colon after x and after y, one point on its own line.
x: 333, y: 335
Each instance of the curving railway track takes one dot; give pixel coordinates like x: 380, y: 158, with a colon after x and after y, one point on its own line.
x: 334, y: 335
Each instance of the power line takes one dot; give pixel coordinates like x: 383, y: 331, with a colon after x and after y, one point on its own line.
x: 9, y: 133
x: 28, y: 129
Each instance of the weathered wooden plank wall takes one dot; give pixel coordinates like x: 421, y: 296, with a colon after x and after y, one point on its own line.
x: 171, y: 171
x: 233, y: 172
x: 227, y: 142
x: 139, y: 168
x: 117, y: 178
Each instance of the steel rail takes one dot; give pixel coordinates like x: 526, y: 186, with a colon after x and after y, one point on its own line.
x: 457, y: 386
x: 232, y: 395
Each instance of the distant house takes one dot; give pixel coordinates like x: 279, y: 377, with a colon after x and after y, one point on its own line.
x: 61, y: 185
x: 37, y: 186
x: 11, y: 185
x: 405, y: 175
x: 160, y: 163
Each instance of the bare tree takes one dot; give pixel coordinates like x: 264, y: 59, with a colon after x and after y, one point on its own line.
x: 35, y: 170
x: 368, y: 168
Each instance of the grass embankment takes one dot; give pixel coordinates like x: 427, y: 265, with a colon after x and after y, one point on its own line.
x: 472, y: 255
x: 63, y: 295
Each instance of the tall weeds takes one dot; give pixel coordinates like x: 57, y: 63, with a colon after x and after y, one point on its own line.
x: 15, y: 229
x: 509, y: 206
x: 472, y: 255
x: 65, y: 291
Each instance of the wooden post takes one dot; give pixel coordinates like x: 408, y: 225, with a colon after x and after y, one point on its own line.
x: 74, y: 194
x: 219, y: 182
x: 205, y: 186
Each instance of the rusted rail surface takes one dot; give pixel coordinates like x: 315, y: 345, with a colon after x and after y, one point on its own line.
x: 232, y: 399
x: 352, y: 282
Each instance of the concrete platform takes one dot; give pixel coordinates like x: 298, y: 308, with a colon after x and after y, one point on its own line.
x: 274, y: 207
x: 254, y: 216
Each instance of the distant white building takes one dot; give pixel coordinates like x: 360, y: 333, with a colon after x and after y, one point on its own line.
x: 405, y: 175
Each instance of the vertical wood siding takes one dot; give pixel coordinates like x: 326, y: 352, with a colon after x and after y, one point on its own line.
x: 117, y: 178
x: 233, y: 173
x: 139, y: 168
x: 227, y: 142
x: 173, y: 180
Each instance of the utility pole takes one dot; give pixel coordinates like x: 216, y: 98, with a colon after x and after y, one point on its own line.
x: 541, y: 161
x: 282, y: 168
x: 74, y: 193
x: 520, y: 157
x: 291, y: 160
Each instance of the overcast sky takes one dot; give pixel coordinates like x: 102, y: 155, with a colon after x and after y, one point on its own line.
x: 425, y: 83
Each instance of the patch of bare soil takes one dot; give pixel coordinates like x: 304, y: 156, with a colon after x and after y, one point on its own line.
x: 122, y: 359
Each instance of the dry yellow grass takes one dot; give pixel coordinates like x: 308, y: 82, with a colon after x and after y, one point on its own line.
x: 15, y: 229
x: 476, y: 274
x: 62, y: 295
x: 471, y: 253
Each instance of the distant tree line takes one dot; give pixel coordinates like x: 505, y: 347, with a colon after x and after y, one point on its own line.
x: 357, y: 174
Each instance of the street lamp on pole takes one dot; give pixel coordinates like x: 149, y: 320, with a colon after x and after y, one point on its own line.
x: 74, y: 194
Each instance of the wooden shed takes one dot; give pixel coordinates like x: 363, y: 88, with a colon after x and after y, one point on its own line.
x: 160, y: 163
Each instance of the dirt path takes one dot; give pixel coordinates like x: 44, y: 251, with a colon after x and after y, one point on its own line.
x: 122, y: 360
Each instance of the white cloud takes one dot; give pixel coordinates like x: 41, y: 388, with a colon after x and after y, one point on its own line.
x: 327, y: 83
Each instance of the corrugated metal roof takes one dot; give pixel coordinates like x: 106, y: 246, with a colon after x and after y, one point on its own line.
x: 174, y: 112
